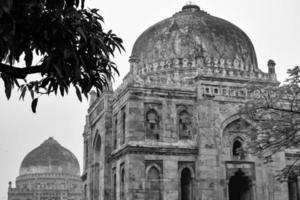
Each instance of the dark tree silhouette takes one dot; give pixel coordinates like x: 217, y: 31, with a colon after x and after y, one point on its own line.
x: 48, y: 46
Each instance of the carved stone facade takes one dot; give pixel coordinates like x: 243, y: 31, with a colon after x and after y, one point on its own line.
x: 172, y: 131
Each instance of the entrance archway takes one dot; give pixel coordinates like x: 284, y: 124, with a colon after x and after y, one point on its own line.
x: 240, y: 187
x: 186, y: 184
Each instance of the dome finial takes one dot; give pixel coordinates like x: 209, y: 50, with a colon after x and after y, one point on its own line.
x: 190, y: 6
x: 190, y: 3
x: 50, y: 140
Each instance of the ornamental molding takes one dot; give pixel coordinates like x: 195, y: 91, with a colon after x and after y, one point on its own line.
x: 177, y: 151
x: 209, y: 66
x: 186, y: 73
x: 47, y: 176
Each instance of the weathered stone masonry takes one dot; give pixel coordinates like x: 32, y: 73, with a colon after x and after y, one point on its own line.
x: 171, y: 131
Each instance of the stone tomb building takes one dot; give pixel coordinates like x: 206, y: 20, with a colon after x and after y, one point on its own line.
x: 172, y: 131
x: 49, y: 172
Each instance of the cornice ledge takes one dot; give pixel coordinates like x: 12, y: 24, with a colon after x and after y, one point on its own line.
x: 177, y: 151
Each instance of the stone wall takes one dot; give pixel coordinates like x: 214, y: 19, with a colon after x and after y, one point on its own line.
x: 196, y: 131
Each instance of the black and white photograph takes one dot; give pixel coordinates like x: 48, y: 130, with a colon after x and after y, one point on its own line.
x: 150, y: 100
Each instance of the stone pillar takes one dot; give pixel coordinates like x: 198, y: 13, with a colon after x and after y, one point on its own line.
x: 171, y: 179
x: 133, y: 65
x: 271, y: 69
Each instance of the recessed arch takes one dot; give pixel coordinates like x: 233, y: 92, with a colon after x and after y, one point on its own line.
x: 123, y: 122
x: 97, y: 147
x: 186, y: 184
x: 237, y: 148
x: 184, y: 124
x: 153, y: 165
x: 189, y: 167
x: 122, y: 183
x: 153, y: 173
x: 152, y: 124
x: 153, y: 183
x: 229, y: 120
x: 152, y: 119
x: 96, y: 166
x: 235, y: 131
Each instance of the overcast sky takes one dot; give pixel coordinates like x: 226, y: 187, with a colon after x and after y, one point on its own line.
x: 272, y: 25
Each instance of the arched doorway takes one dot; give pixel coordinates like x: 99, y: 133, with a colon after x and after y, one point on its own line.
x: 240, y: 187
x: 186, y: 184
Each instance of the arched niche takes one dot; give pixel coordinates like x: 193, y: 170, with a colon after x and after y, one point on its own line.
x: 184, y: 125
x: 114, y: 182
x: 122, y: 184
x: 235, y: 137
x: 97, y: 148
x: 153, y: 185
x: 115, y: 132
x: 152, y: 124
x: 123, y: 122
x: 238, y: 148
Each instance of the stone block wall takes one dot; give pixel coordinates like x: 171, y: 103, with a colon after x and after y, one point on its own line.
x: 215, y: 124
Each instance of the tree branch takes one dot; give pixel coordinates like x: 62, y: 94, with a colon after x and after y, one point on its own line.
x: 20, y: 73
x: 268, y: 107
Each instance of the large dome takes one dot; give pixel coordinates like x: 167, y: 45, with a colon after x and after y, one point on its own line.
x: 191, y: 34
x: 50, y: 157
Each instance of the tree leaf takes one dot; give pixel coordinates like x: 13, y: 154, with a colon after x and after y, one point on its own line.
x: 62, y: 90
x: 80, y: 31
x: 78, y: 93
x: 23, y: 89
x: 69, y: 40
x: 34, y: 104
x: 7, y: 85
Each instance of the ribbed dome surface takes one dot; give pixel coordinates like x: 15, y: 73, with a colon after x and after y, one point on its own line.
x: 193, y: 33
x: 50, y: 157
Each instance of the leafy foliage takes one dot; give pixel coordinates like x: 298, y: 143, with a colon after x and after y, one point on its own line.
x: 275, y: 114
x: 69, y: 41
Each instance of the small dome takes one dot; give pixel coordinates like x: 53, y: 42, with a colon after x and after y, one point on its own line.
x: 190, y: 34
x: 50, y: 157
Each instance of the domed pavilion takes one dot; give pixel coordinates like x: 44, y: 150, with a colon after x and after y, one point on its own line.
x: 48, y: 172
x: 172, y: 129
